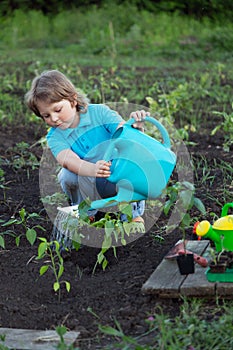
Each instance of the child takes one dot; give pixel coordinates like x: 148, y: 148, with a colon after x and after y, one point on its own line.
x: 78, y: 137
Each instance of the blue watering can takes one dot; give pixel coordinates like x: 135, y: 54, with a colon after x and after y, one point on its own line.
x: 141, y: 165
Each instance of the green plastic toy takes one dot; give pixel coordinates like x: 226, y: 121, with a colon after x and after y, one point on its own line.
x: 221, y: 232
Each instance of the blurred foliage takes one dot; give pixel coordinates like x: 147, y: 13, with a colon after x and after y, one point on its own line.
x: 214, y: 9
x: 114, y: 30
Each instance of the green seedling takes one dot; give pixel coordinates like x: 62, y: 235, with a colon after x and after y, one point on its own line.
x: 216, y: 256
x: 116, y: 229
x: 226, y: 125
x: 23, y: 158
x: 57, y: 199
x: 61, y: 331
x: 2, y: 340
x: 56, y: 264
x: 184, y: 192
x: 3, y: 184
x: 24, y: 219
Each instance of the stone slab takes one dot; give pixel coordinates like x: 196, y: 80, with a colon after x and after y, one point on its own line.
x: 28, y: 339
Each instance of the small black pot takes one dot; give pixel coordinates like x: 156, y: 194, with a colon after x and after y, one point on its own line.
x: 185, y: 263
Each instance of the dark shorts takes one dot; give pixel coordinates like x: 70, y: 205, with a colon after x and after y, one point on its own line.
x: 105, y: 188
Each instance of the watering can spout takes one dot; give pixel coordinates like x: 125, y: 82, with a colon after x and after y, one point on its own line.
x: 124, y: 194
x: 141, y: 165
x: 205, y: 230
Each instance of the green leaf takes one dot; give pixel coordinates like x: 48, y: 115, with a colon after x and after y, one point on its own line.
x: 199, y: 205
x: 104, y: 264
x: 42, y: 248
x: 10, y: 222
x: 2, y: 242
x: 31, y: 235
x: 114, y: 251
x: 22, y: 214
x: 110, y: 331
x: 100, y: 257
x: 107, y: 242
x: 67, y: 286
x: 40, y: 227
x: 43, y: 239
x: 186, y: 220
x: 126, y: 209
x: 213, y: 132
x: 33, y: 215
x: 57, y: 246
x: 61, y: 270
x: 43, y: 269
x: 61, y: 330
x: 127, y: 227
x: 17, y: 240
x: 188, y: 185
x: 186, y: 197
x: 167, y: 206
x: 56, y: 286
x: 109, y: 228
x: 123, y: 241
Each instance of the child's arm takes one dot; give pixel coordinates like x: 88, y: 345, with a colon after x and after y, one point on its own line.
x: 71, y: 161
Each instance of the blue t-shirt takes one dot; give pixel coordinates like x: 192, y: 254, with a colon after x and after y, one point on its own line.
x: 90, y: 139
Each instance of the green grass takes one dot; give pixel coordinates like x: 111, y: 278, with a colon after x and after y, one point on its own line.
x: 191, y: 330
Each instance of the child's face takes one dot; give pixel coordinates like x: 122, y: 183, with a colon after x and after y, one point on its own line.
x: 62, y: 114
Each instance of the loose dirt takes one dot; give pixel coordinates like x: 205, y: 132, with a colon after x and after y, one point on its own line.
x: 28, y: 300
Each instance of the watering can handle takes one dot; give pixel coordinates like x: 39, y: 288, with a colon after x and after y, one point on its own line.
x: 225, y: 209
x: 160, y: 127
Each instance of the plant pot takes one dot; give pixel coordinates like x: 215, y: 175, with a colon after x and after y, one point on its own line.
x: 219, y: 267
x: 185, y: 263
x: 223, y: 258
x: 230, y: 263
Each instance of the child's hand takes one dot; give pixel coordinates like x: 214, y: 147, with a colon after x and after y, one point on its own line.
x: 102, y: 168
x: 139, y: 117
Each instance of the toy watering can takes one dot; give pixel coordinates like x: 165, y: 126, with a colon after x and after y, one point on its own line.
x: 221, y: 232
x: 141, y: 165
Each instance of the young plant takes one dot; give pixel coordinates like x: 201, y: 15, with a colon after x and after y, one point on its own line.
x: 227, y: 127
x: 29, y: 232
x: 22, y: 157
x: 2, y: 340
x: 52, y: 251
x: 61, y: 331
x: 185, y: 192
x: 115, y: 230
x: 57, y: 199
x: 3, y: 183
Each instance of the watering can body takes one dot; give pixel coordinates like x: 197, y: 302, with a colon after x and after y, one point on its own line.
x: 141, y: 165
x: 221, y: 232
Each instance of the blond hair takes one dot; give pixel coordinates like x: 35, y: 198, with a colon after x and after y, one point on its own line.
x: 53, y: 86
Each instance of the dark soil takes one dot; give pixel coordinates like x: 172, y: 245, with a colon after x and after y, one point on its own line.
x: 28, y: 300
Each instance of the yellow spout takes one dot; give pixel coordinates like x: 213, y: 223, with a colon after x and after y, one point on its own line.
x: 202, y: 228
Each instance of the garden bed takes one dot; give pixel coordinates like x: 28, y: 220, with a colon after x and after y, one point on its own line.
x: 28, y: 300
